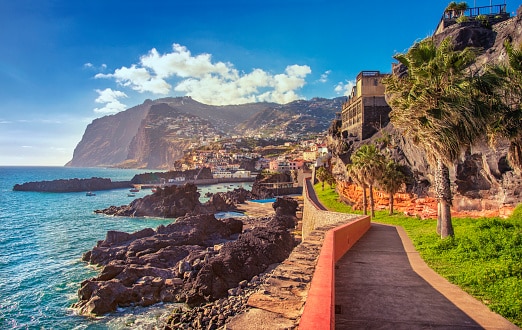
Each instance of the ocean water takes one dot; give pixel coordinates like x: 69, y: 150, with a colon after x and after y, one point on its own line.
x: 42, y: 238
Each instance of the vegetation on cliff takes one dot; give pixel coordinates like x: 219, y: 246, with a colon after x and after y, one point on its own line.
x: 441, y: 108
x: 443, y: 105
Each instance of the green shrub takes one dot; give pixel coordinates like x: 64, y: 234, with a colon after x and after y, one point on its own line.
x: 462, y: 19
x: 483, y: 19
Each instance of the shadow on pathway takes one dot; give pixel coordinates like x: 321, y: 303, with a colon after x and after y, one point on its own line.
x: 377, y: 288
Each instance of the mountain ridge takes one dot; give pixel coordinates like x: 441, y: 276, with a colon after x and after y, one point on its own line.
x: 156, y: 133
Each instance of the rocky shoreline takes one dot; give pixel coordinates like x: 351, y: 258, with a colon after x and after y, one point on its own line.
x: 214, y: 315
x: 196, y: 260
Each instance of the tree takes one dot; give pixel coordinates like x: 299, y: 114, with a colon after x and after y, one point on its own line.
x: 451, y: 8
x: 331, y: 180
x: 391, y: 181
x: 461, y: 8
x: 441, y: 107
x: 355, y: 173
x: 456, y: 9
x: 507, y: 79
x: 369, y: 163
x: 322, y: 175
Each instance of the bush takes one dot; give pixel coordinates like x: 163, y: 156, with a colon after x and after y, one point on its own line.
x: 462, y: 19
x: 483, y: 19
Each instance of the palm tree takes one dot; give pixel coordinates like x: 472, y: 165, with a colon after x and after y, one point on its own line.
x: 391, y: 181
x: 456, y: 9
x: 508, y: 123
x: 451, y: 8
x: 355, y: 173
x: 322, y: 175
x: 331, y: 180
x: 441, y: 107
x: 369, y: 162
x: 461, y: 8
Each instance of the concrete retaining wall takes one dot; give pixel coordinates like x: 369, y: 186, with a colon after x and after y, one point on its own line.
x: 315, y: 215
x: 319, y: 309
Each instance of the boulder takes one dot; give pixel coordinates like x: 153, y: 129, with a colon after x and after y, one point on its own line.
x: 147, y: 266
x: 178, y: 201
x: 240, y: 260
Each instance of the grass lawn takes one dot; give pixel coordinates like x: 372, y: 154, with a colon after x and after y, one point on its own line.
x: 484, y: 258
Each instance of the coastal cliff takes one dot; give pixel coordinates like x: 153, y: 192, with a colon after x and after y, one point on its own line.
x: 484, y: 184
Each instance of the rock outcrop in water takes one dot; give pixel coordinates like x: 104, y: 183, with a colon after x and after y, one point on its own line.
x: 72, y: 185
x: 194, y: 260
x: 177, y: 201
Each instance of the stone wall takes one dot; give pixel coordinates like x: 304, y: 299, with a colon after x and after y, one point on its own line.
x: 425, y: 207
x: 315, y: 215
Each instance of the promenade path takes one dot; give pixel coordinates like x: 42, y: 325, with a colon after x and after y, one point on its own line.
x: 382, y: 283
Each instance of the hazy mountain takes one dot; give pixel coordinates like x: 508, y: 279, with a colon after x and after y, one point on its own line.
x: 156, y: 133
x: 296, y: 118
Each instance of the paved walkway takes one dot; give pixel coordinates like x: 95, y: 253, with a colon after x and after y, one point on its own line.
x: 382, y: 283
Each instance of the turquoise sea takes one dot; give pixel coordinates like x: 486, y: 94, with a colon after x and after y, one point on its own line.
x: 42, y: 238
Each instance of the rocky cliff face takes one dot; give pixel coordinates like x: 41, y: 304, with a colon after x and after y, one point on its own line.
x: 482, y: 180
x: 106, y: 140
x: 164, y: 134
x: 299, y: 117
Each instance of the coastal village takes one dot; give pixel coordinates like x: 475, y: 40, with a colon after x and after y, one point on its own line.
x: 226, y: 162
x: 291, y: 268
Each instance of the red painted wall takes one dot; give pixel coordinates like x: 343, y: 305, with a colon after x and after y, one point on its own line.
x: 319, y: 310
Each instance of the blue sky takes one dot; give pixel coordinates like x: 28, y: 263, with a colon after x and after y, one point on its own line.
x: 64, y: 63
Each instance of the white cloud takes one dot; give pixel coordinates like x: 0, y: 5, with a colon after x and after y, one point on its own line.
x: 215, y: 83
x: 91, y: 66
x: 324, y: 76
x: 182, y: 64
x: 345, y: 88
x: 111, y: 99
x: 256, y: 86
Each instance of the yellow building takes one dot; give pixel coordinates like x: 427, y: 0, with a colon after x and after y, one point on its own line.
x: 366, y: 110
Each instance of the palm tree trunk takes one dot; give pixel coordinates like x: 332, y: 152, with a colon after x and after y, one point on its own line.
x: 439, y: 209
x: 372, y: 204
x: 391, y: 200
x: 439, y: 216
x: 446, y: 229
x: 444, y: 197
x: 365, y: 203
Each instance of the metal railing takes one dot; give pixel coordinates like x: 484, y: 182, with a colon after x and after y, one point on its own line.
x: 476, y: 11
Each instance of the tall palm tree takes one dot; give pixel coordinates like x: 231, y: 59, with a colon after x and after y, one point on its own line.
x: 440, y: 106
x: 391, y: 181
x: 461, y: 8
x: 322, y: 175
x: 508, y: 122
x: 369, y: 162
x: 355, y: 173
x: 451, y: 9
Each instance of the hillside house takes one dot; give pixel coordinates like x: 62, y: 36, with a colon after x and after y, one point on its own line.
x: 366, y: 110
